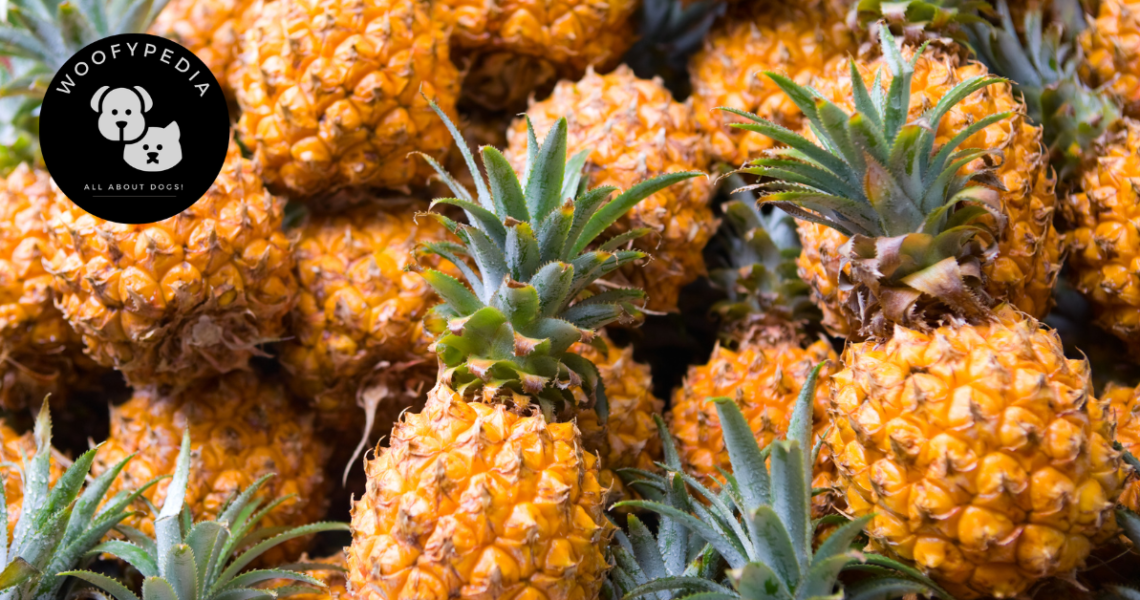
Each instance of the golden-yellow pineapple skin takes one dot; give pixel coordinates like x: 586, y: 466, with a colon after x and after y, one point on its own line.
x: 513, y: 46
x: 1025, y: 266
x: 335, y: 94
x: 981, y: 450
x: 242, y: 426
x: 211, y: 29
x: 357, y: 328
x: 183, y: 298
x: 629, y: 439
x: 1111, y: 47
x: 764, y: 377
x: 1104, y: 240
x: 1122, y: 404
x: 40, y: 352
x: 635, y: 130
x: 474, y: 500
x: 798, y: 40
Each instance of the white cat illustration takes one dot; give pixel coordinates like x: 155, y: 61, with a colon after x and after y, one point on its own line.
x: 158, y: 150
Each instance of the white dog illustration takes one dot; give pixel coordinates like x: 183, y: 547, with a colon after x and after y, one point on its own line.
x: 121, y: 112
x: 158, y: 150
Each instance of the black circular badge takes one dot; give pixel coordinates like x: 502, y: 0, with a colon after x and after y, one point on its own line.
x: 134, y: 128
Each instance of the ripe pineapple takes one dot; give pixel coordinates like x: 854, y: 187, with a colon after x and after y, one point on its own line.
x: 764, y: 358
x: 974, y: 447
x: 1122, y: 403
x: 483, y: 494
x: 41, y: 353
x: 799, y: 40
x: 211, y: 30
x: 335, y: 95
x: 633, y: 129
x: 978, y: 447
x: 243, y: 426
x: 356, y: 331
x: 628, y: 439
x: 511, y: 48
x: 183, y: 298
x: 1111, y: 47
x: 1027, y: 260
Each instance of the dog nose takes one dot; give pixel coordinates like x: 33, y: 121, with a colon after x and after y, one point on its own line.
x: 121, y: 124
x: 152, y: 157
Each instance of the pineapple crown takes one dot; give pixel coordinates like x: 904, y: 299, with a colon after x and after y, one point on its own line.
x: 918, y: 20
x: 39, y: 36
x: 760, y: 279
x: 669, y: 33
x: 57, y: 525
x: 530, y: 297
x: 919, y: 226
x: 1042, y: 66
x: 759, y: 523
x: 201, y: 561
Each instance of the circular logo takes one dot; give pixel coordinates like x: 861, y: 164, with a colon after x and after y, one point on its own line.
x: 134, y: 128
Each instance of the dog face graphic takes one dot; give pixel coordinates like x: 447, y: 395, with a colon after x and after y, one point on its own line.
x: 158, y: 150
x: 121, y: 112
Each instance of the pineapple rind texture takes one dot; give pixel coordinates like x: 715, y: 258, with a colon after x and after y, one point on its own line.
x: 211, y: 29
x: 764, y: 378
x: 358, y: 320
x: 335, y: 95
x: 474, y: 500
x: 1027, y: 261
x: 183, y: 298
x: 1104, y: 241
x: 980, y: 448
x: 1123, y: 405
x: 634, y: 130
x: 242, y: 426
x: 799, y: 41
x: 1111, y: 46
x: 41, y: 352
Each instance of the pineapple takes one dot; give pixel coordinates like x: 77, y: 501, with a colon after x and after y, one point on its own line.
x: 183, y: 298
x: 798, y: 40
x: 246, y: 427
x: 1024, y: 268
x: 484, y: 494
x: 1123, y: 405
x: 41, y: 352
x: 1111, y: 47
x: 14, y: 449
x: 211, y: 30
x: 202, y: 558
x: 765, y: 357
x: 628, y: 439
x: 357, y: 336
x: 959, y: 429
x: 510, y: 48
x: 336, y: 95
x: 761, y: 527
x: 329, y: 571
x: 632, y: 128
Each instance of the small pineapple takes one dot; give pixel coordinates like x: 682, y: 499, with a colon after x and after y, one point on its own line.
x: 191, y: 558
x: 246, y: 427
x: 334, y: 95
x: 357, y: 332
x: 41, y: 353
x: 483, y: 494
x: 183, y: 298
x: 959, y: 429
x: 1111, y: 47
x: 510, y: 48
x: 633, y: 129
x: 799, y: 40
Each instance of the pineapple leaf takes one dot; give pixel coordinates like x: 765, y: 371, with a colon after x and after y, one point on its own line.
x: 755, y: 484
x: 257, y: 550
x: 732, y: 554
x: 181, y: 573
x: 116, y: 589
x: 465, y: 152
x: 774, y: 545
x: 129, y: 553
x: 18, y: 572
x: 451, y: 183
x: 584, y: 208
x: 505, y: 188
x: 158, y: 588
x: 482, y: 218
x: 544, y: 185
x: 574, y: 173
x: 523, y: 255
x: 882, y: 588
x: 259, y: 575
x: 617, y: 207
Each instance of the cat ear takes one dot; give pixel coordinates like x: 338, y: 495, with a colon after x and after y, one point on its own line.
x: 98, y: 97
x: 147, y: 102
x: 172, y: 129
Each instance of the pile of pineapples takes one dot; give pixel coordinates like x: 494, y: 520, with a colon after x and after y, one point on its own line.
x: 878, y: 204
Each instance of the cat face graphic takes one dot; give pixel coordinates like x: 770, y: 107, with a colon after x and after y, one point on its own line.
x: 158, y: 150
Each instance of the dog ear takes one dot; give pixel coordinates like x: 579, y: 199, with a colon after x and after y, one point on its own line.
x: 172, y: 129
x: 147, y: 102
x: 98, y: 97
